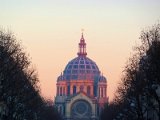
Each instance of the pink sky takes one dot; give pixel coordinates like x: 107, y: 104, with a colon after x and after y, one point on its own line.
x: 50, y: 31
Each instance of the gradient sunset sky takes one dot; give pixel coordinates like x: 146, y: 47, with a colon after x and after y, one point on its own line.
x: 50, y: 31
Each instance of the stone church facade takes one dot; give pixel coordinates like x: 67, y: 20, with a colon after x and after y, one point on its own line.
x: 81, y: 88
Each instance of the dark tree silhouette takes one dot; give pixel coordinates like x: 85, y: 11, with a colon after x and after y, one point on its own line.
x: 110, y: 111
x: 19, y: 92
x: 138, y: 95
x: 50, y: 112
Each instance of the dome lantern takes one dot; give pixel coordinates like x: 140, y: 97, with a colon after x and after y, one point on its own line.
x: 82, y: 47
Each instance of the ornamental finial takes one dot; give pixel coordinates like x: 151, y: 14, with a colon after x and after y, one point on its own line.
x: 82, y: 32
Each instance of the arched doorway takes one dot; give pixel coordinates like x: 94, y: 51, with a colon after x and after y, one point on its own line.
x: 81, y: 110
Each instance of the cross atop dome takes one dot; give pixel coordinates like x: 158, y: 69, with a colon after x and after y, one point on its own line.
x: 82, y: 47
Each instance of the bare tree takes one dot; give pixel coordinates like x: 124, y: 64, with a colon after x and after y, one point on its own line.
x: 139, y: 90
x: 19, y: 92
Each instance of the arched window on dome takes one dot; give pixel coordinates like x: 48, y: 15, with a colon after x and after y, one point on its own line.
x: 101, y: 92
x: 68, y: 90
x: 74, y: 77
x: 75, y: 66
x: 81, y: 88
x: 81, y: 62
x: 60, y: 91
x: 88, y: 67
x: 74, y: 89
x: 63, y: 90
x: 88, y: 90
x: 82, y: 66
x: 95, y: 90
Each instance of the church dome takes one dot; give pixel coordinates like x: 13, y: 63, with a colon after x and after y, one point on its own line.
x: 81, y: 68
